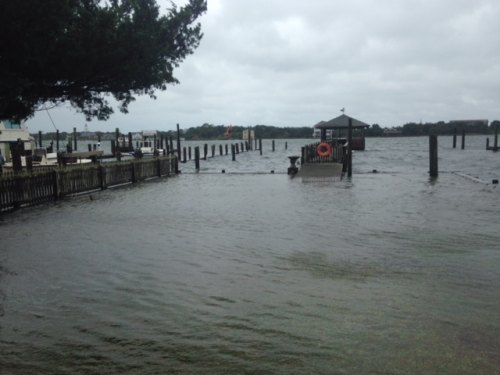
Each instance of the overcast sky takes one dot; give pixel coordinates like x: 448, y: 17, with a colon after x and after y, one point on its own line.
x: 296, y: 62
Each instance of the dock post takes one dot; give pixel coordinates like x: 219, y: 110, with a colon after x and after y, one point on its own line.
x: 433, y: 155
x: 455, y: 138
x: 286, y: 145
x: 302, y: 155
x: 349, y: 149
x: 131, y: 148
x: 189, y: 152
x: 226, y: 148
x: 57, y: 140
x: 184, y: 154
x: 178, y: 143
x: 495, y: 140
x: 260, y: 146
x: 237, y: 148
x: 233, y: 152
x: 273, y: 145
x: 40, y: 139
x: 220, y: 150
x: 205, y: 151
x: 171, y: 143
x: 487, y: 143
x: 463, y: 139
x: 197, y: 158
x: 74, y: 140
x: 213, y: 150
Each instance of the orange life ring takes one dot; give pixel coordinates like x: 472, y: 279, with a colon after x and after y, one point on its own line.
x: 324, y: 150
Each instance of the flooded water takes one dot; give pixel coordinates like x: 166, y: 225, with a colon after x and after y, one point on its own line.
x: 253, y: 272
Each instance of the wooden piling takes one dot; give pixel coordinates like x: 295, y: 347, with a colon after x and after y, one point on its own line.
x: 495, y: 140
x: 57, y: 140
x: 189, y: 152
x: 260, y: 146
x: 433, y: 155
x: 455, y: 138
x: 117, y: 135
x: 233, y: 152
x: 237, y: 148
x: 273, y: 145
x: 226, y: 148
x: 40, y: 139
x: 178, y: 142
x: 220, y: 150
x: 197, y: 158
x: 349, y: 148
x: 213, y: 151
x: 487, y: 143
x: 286, y: 145
x: 463, y: 139
x: 184, y: 152
x: 205, y: 151
x: 75, y: 145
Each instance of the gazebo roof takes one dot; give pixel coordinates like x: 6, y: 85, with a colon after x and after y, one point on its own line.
x: 341, y: 122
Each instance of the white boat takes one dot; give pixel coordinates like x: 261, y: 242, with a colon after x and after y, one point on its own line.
x: 14, y: 132
x: 146, y: 146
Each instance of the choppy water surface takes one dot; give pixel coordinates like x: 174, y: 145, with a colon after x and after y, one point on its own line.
x: 388, y: 273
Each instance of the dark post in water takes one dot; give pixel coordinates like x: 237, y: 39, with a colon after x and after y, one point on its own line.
x: 178, y: 143
x: 74, y: 140
x: 495, y: 141
x: 433, y: 155
x: 197, y: 158
x: 455, y: 138
x: 349, y: 149
x: 463, y: 139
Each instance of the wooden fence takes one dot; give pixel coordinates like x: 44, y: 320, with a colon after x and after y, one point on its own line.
x: 52, y: 183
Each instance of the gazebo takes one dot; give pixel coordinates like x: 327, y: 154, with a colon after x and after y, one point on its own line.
x: 341, y: 126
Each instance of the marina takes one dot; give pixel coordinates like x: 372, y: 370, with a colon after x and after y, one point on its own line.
x: 249, y: 271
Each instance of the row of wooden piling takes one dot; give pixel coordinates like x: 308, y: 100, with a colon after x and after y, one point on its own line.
x: 433, y: 151
x: 233, y: 148
x: 495, y: 146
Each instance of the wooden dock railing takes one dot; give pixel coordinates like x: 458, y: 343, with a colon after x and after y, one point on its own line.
x: 52, y: 183
x: 310, y: 155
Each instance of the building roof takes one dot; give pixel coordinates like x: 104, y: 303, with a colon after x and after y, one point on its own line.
x: 341, y: 122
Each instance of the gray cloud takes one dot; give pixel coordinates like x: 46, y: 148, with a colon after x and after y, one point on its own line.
x: 295, y: 63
